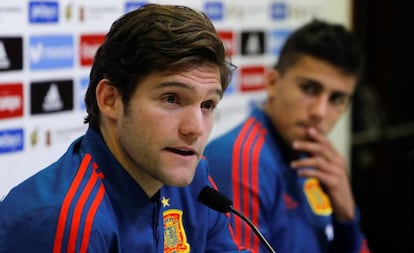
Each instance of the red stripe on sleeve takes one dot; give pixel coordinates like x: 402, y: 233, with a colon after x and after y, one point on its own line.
x: 246, y: 173
x: 89, y: 219
x: 57, y: 247
x: 255, y: 203
x: 236, y: 176
x: 364, y: 248
x: 239, y: 247
x: 210, y: 179
x: 78, y: 212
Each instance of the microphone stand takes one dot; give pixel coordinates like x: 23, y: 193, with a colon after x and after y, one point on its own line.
x: 255, y: 229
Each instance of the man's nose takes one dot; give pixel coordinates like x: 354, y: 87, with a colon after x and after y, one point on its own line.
x: 192, y: 122
x: 319, y: 107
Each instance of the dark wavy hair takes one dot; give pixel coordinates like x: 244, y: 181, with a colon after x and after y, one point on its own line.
x: 330, y: 42
x: 153, y: 38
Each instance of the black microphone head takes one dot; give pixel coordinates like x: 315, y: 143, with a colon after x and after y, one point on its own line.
x: 215, y: 200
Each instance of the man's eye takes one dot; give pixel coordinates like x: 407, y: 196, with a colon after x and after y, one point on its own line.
x: 170, y: 99
x: 310, y: 89
x: 209, y: 105
x: 338, y: 99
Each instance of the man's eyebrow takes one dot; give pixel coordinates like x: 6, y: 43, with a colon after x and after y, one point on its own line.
x: 218, y: 92
x: 308, y: 80
x: 319, y: 85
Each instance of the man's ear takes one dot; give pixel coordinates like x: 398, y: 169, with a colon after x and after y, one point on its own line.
x: 271, y: 79
x: 107, y: 98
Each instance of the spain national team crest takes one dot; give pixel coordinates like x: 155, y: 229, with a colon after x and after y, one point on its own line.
x: 317, y: 198
x: 175, y: 239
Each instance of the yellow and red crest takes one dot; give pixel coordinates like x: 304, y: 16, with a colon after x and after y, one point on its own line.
x: 317, y: 198
x: 175, y: 239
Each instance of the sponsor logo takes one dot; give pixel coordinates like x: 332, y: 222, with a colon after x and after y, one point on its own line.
x: 11, y: 11
x: 45, y: 136
x: 233, y: 84
x: 329, y: 232
x: 214, y: 10
x: 51, y: 52
x: 251, y: 12
x: 11, y: 100
x: 88, y: 45
x: 279, y: 10
x: 228, y: 40
x: 11, y: 53
x: 234, y: 11
x: 84, y: 82
x: 277, y: 39
x: 255, y: 101
x: 11, y: 140
x: 50, y: 97
x: 290, y: 202
x: 38, y: 134
x: 252, y: 42
x: 252, y: 78
x: 130, y: 6
x: 68, y: 11
x: 304, y: 10
x: 98, y: 13
x: 34, y: 137
x: 43, y: 12
x: 69, y: 132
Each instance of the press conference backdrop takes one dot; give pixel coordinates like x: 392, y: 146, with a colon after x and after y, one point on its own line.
x: 47, y: 48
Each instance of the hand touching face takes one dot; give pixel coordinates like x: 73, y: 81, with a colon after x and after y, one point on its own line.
x: 304, y: 104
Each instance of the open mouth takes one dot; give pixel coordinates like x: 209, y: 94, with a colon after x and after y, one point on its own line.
x: 181, y: 151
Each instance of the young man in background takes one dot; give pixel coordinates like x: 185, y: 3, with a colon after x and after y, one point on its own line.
x: 279, y: 167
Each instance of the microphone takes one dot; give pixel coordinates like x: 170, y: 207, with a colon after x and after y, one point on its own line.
x: 217, y: 201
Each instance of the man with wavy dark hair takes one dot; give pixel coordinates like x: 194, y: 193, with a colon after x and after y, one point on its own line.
x: 279, y: 166
x: 131, y: 183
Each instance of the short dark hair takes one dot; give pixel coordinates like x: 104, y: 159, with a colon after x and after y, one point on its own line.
x: 330, y: 42
x: 153, y: 38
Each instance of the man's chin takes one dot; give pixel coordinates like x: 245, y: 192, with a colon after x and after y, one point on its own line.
x: 181, y: 178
